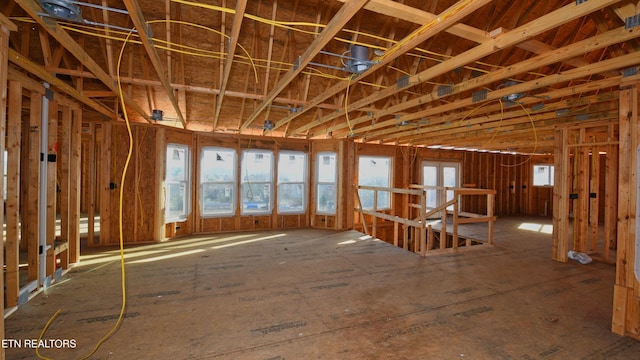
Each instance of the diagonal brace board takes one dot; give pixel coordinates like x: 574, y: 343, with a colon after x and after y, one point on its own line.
x: 346, y: 12
x: 138, y: 20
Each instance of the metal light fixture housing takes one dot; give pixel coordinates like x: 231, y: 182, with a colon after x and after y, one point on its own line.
x: 62, y: 9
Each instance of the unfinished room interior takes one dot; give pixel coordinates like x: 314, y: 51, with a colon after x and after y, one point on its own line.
x: 320, y: 179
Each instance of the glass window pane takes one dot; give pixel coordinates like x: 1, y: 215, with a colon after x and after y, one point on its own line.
x: 292, y: 167
x: 218, y: 181
x: 176, y: 160
x: 257, y: 177
x: 176, y: 200
x: 366, y: 198
x: 177, y: 183
x: 256, y: 197
x: 217, y: 198
x: 291, y: 197
x: 430, y: 175
x: 449, y: 176
x: 374, y: 171
x: 543, y: 175
x: 218, y: 165
x: 327, y: 169
x: 326, y: 198
x: 292, y: 175
x: 256, y: 166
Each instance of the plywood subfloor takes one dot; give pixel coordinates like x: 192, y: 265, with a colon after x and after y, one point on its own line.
x: 318, y: 294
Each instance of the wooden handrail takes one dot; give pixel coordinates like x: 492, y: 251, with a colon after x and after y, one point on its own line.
x: 425, y: 241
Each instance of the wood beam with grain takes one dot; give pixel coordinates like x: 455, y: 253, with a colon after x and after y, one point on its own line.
x: 56, y: 31
x: 135, y: 13
x: 576, y: 49
x: 446, y: 19
x: 233, y: 43
x: 39, y: 71
x: 524, y: 32
x: 576, y: 73
x: 346, y: 12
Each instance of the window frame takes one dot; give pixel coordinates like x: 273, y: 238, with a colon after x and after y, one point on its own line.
x: 186, y: 182
x: 243, y: 170
x: 375, y: 158
x: 318, y: 183
x: 233, y: 182
x: 550, y: 178
x: 304, y: 182
x: 437, y: 195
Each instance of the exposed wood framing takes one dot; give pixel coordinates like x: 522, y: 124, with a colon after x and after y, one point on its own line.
x: 49, y: 155
x: 91, y: 184
x: 39, y: 71
x: 138, y: 20
x: 74, y: 186
x: 6, y: 27
x: 32, y: 222
x: 446, y: 19
x: 14, y: 137
x: 107, y: 185
x: 345, y: 13
x: 626, y: 303
x: 233, y: 42
x: 58, y: 33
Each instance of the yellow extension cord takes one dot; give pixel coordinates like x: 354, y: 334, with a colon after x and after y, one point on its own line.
x: 121, y: 234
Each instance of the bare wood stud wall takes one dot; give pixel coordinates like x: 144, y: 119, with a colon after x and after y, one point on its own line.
x: 6, y: 27
x: 14, y: 137
x: 626, y: 296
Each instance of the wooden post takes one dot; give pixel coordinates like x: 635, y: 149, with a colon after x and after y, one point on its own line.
x: 594, y: 198
x: 443, y: 217
x: 423, y: 239
x: 105, y: 186
x: 610, y: 196
x: 161, y: 151
x: 14, y: 137
x: 395, y: 233
x: 374, y: 220
x: 626, y: 295
x: 582, y: 212
x: 33, y: 203
x: 91, y: 185
x: 560, y: 237
x: 490, y: 204
x: 454, y: 233
x: 51, y: 186
x: 64, y: 171
x: 6, y: 26
x: 74, y: 186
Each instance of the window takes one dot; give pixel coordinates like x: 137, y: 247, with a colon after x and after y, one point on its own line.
x: 374, y: 171
x: 292, y: 182
x: 543, y: 175
x: 218, y: 178
x: 441, y: 174
x: 326, y: 181
x: 177, y: 183
x: 257, y: 182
